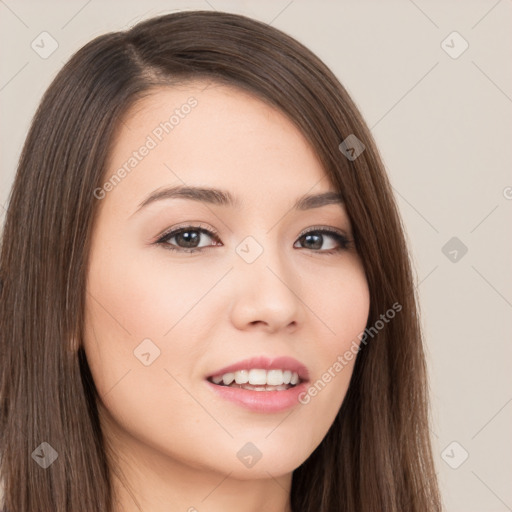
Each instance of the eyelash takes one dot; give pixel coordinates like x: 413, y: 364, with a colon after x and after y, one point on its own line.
x: 343, y: 241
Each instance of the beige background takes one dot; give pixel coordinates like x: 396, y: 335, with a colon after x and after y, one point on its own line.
x: 444, y: 128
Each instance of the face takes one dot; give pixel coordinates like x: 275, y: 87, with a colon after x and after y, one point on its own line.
x: 188, y: 288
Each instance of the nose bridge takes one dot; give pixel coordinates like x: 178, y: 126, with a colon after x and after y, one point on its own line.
x: 265, y: 284
x: 261, y: 256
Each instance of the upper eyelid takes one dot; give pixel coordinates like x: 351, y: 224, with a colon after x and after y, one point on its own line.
x: 324, y: 228
x: 177, y: 229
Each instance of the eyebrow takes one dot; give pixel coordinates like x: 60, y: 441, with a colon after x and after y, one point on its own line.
x: 224, y: 198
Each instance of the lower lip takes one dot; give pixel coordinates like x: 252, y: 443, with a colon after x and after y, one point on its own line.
x: 261, y: 401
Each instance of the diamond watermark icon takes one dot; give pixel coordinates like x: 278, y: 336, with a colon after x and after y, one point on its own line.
x: 454, y: 249
x: 45, y: 455
x: 249, y: 249
x: 146, y: 352
x: 44, y: 45
x: 454, y: 45
x: 351, y: 147
x: 454, y: 455
x: 249, y: 455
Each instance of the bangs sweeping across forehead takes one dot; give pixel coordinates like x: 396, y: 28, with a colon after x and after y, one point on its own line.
x: 377, y: 454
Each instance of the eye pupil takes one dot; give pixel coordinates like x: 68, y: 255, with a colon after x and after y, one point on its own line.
x: 191, y: 238
x: 318, y: 240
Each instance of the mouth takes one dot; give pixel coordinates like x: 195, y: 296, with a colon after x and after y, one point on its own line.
x: 258, y: 379
x: 260, y: 384
x: 261, y: 374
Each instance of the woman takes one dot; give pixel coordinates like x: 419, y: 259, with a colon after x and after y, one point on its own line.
x: 207, y: 301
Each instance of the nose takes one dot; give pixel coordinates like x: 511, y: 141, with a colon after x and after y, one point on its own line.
x: 267, y: 294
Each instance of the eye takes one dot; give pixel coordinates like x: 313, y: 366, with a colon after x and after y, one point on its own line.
x: 315, y: 237
x: 187, y: 239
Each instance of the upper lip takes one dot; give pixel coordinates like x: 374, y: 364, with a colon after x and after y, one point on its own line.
x: 265, y: 363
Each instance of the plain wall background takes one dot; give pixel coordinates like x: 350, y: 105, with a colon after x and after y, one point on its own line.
x: 443, y: 126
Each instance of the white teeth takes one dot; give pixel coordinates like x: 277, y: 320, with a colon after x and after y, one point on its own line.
x: 258, y: 378
x: 228, y: 378
x: 275, y: 377
x: 242, y: 376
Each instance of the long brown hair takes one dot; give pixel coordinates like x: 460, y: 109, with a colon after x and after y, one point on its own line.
x: 377, y: 454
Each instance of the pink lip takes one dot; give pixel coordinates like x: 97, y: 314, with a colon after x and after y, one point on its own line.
x: 261, y: 401
x: 264, y: 363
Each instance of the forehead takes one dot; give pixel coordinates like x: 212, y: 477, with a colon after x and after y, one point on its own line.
x: 210, y: 134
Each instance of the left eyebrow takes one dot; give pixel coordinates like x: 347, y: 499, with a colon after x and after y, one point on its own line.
x: 224, y: 198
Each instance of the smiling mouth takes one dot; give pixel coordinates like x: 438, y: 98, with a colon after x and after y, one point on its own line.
x: 257, y: 379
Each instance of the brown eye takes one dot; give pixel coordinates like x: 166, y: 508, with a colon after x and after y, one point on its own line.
x: 315, y: 240
x: 187, y: 239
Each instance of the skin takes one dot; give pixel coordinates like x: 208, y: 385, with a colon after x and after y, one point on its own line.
x: 175, y: 441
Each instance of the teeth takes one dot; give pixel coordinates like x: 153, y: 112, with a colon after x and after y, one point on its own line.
x: 275, y: 377
x: 242, y: 376
x: 258, y: 379
x: 228, y: 378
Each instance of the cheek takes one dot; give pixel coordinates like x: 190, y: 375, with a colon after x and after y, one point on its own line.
x: 137, y: 306
x: 343, y: 306
x: 342, y: 303
x: 128, y: 313
x: 143, y: 293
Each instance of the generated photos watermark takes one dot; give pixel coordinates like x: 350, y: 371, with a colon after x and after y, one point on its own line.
x: 343, y: 360
x: 152, y: 140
